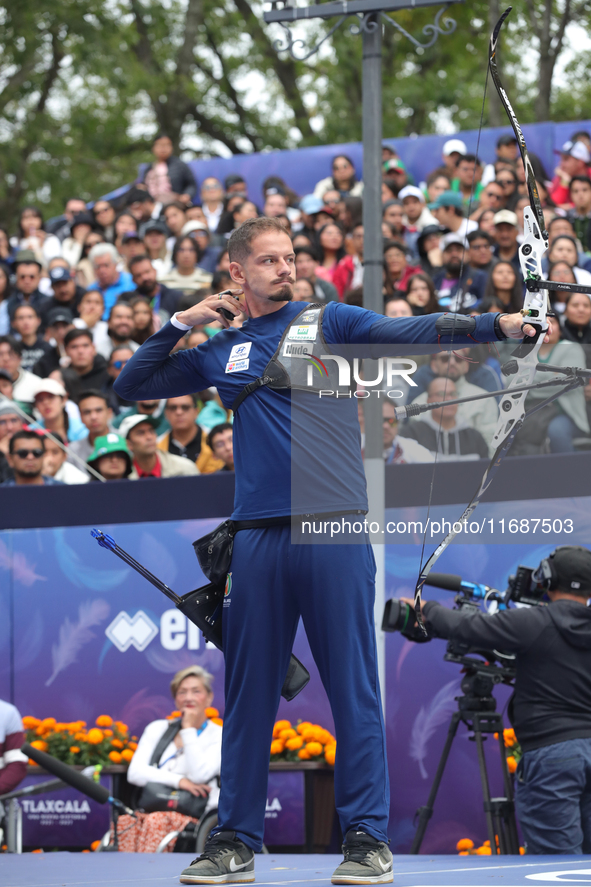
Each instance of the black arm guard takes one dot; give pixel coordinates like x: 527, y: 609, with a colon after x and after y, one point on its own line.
x: 449, y: 324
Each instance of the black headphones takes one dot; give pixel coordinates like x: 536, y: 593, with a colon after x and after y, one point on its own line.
x: 546, y: 575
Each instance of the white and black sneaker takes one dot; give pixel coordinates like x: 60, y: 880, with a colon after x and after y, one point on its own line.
x: 367, y: 861
x: 225, y: 860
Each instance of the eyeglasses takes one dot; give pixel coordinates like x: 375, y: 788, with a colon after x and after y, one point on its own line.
x: 210, y: 187
x: 119, y: 364
x: 391, y: 421
x: 493, y: 194
x: 185, y: 407
x: 505, y: 182
x: 342, y: 167
x: 480, y: 246
x: 22, y: 454
x: 105, y: 209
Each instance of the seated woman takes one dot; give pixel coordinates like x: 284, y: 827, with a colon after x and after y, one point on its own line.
x: 577, y: 319
x: 190, y: 762
x: 397, y: 267
x: 186, y: 275
x: 420, y: 295
x: 504, y: 286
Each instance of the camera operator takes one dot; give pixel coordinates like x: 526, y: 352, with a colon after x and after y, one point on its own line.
x: 551, y: 707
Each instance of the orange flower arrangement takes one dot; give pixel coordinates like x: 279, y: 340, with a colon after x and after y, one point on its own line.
x: 303, y: 741
x: 466, y: 847
x: 106, y: 743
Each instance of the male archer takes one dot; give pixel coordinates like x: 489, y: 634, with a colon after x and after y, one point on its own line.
x: 275, y: 582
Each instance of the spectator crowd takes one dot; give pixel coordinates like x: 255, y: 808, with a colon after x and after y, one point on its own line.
x: 81, y: 292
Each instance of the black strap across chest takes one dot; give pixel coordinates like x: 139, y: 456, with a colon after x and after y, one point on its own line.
x: 165, y: 740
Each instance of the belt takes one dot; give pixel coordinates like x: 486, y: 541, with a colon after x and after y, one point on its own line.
x: 287, y: 519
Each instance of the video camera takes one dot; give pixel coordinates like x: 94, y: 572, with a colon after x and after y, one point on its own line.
x: 525, y: 587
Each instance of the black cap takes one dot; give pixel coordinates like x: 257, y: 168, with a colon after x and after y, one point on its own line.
x: 82, y: 219
x: 59, y: 315
x: 56, y: 275
x: 137, y: 195
x: 573, y: 568
x: 153, y: 225
x: 130, y: 235
x: 506, y: 140
x: 232, y: 180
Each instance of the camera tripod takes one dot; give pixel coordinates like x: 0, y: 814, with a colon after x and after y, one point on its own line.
x: 477, y: 709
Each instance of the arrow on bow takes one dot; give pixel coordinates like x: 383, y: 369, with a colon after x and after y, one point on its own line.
x: 512, y: 412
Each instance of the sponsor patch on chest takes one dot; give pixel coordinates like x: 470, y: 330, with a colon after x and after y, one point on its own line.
x: 303, y: 333
x: 237, y: 366
x: 239, y: 352
x: 297, y: 349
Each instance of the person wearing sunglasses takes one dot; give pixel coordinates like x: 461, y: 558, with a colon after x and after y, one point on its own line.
x: 25, y: 456
x: 185, y: 437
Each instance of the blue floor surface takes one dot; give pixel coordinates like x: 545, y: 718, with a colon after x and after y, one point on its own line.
x: 275, y: 870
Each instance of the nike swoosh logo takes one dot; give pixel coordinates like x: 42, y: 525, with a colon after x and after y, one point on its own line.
x: 384, y: 868
x: 236, y: 868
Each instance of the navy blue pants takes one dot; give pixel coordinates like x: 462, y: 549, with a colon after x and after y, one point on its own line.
x: 332, y: 587
x: 553, y: 797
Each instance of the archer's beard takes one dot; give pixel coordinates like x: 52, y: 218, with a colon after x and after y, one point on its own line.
x: 284, y: 294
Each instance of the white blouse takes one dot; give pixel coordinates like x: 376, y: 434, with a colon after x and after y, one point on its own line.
x: 199, y: 759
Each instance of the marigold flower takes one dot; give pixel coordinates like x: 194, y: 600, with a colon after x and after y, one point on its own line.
x: 483, y: 851
x: 304, y: 754
x: 294, y: 742
x: 127, y: 754
x: 121, y: 727
x: 511, y: 764
x: 211, y: 712
x: 277, y: 747
x: 314, y: 748
x: 330, y: 754
x: 173, y: 715
x: 464, y: 853
x: 94, y: 736
x: 40, y: 745
x: 522, y: 851
x: 510, y: 737
x: 465, y: 844
x: 132, y: 745
x: 32, y: 763
x: 289, y: 733
x: 217, y: 721
x: 115, y: 757
x: 30, y: 723
x: 279, y: 726
x: 303, y: 726
x: 48, y: 722
x: 80, y: 737
x: 116, y: 743
x: 108, y: 732
x: 74, y: 749
x: 104, y: 721
x: 94, y: 845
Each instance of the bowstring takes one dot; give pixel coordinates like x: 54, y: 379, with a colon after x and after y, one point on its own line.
x: 440, y: 426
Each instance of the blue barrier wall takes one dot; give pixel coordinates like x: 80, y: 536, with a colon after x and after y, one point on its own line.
x: 301, y: 169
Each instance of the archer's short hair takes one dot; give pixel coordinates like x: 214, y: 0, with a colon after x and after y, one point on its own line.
x: 242, y: 238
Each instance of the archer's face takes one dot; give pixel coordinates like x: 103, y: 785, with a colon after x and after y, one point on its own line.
x: 269, y: 271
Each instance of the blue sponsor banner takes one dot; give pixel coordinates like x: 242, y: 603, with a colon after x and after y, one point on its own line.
x: 63, y: 818
x: 81, y: 634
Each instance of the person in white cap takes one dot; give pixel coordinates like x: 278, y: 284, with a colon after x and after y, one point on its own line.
x: 415, y: 209
x: 574, y: 161
x: 148, y: 461
x: 453, y: 149
x: 54, y: 412
x: 506, y: 235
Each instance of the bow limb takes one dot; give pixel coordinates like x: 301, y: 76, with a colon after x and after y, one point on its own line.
x: 534, y: 311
